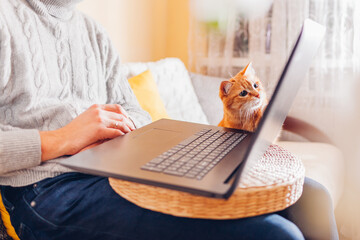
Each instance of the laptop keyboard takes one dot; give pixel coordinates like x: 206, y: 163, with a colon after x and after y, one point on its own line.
x: 197, y: 155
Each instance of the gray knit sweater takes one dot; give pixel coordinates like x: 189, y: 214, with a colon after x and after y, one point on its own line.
x: 55, y: 63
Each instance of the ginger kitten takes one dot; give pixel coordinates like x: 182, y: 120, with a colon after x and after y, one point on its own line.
x: 244, y: 100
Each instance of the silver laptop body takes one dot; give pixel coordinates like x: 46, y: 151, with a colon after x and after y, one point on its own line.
x: 127, y: 157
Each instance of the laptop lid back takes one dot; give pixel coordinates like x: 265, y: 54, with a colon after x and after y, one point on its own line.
x: 284, y: 94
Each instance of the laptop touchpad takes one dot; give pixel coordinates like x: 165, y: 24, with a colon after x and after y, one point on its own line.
x: 156, y: 135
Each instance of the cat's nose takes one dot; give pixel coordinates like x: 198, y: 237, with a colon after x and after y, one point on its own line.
x: 257, y: 95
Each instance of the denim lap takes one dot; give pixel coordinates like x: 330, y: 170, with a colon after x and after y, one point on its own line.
x: 79, y: 206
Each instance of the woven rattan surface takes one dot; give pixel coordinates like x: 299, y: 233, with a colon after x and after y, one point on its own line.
x: 273, y: 184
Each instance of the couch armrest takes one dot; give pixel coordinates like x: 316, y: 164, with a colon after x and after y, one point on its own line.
x: 305, y: 130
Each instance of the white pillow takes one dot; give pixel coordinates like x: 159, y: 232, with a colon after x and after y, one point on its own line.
x: 175, y: 88
x: 207, y: 91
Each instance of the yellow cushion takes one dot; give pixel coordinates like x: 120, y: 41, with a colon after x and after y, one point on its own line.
x: 6, y: 221
x: 147, y: 94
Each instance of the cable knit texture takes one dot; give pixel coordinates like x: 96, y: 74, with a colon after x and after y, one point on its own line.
x: 55, y: 63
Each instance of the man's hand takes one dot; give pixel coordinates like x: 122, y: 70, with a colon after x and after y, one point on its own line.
x: 98, y: 123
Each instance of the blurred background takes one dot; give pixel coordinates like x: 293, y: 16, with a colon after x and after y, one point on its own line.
x: 144, y: 30
x: 219, y: 37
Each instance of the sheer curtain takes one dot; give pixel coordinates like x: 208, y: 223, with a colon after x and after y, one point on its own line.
x: 268, y: 40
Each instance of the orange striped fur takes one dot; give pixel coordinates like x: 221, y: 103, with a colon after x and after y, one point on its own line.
x: 244, y: 100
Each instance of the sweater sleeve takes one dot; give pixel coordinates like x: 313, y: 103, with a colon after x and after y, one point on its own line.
x: 118, y: 88
x: 19, y: 148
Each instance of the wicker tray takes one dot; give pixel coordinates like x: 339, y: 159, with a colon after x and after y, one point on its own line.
x: 273, y: 184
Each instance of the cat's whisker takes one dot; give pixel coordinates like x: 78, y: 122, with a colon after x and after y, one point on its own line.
x: 231, y: 76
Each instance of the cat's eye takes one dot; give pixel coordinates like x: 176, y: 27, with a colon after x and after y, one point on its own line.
x: 243, y: 93
x: 256, y: 85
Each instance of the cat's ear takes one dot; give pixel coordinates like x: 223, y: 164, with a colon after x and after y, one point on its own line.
x: 248, y: 70
x: 225, y: 87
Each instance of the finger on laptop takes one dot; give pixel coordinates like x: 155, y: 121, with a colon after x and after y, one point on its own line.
x: 120, y: 125
x: 115, y: 108
x: 121, y: 118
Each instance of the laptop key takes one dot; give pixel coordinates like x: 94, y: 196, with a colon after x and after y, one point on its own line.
x: 153, y: 169
x: 185, y: 168
x: 182, y: 170
x: 189, y: 140
x: 175, y: 157
x: 157, y: 160
x: 162, y: 166
x: 190, y: 175
x: 150, y: 164
x: 172, y: 172
x: 185, y: 159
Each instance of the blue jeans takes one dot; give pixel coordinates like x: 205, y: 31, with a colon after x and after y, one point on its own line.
x: 80, y: 206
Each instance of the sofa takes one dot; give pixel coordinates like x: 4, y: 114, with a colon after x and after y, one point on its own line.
x: 194, y: 97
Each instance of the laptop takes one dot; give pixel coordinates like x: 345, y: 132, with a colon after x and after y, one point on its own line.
x: 197, y: 158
